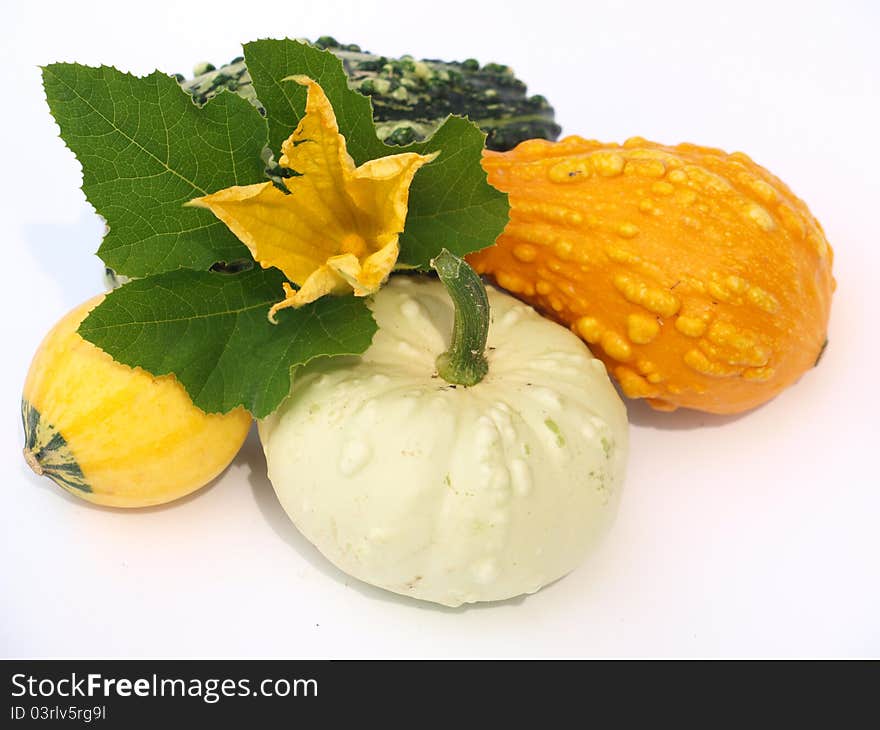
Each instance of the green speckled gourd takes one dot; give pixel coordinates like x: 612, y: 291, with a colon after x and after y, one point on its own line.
x: 411, y: 98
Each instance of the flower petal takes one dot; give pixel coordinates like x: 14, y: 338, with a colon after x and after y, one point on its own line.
x: 322, y: 281
x: 367, y: 276
x: 316, y: 151
x: 380, y: 188
x: 264, y: 221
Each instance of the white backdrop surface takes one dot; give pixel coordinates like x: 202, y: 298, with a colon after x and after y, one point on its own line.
x: 756, y: 535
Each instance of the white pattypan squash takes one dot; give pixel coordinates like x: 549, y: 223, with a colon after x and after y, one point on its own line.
x: 448, y: 493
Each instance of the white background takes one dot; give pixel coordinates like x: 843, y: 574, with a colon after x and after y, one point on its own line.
x: 757, y: 535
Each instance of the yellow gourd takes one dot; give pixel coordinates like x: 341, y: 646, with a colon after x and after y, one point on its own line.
x: 114, y: 435
x: 699, y: 278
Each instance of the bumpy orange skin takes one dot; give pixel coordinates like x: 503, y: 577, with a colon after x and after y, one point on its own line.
x: 700, y: 279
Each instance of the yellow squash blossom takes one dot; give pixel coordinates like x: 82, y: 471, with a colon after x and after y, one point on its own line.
x: 337, y: 230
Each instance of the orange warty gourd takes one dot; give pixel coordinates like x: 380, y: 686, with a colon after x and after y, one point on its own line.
x: 697, y: 276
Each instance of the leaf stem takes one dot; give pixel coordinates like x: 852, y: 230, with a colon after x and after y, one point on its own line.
x: 464, y: 363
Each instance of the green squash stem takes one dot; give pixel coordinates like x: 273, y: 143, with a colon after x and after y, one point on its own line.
x: 464, y: 363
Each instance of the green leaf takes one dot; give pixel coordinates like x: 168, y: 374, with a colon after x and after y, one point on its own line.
x: 145, y: 150
x: 211, y: 330
x: 451, y: 204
